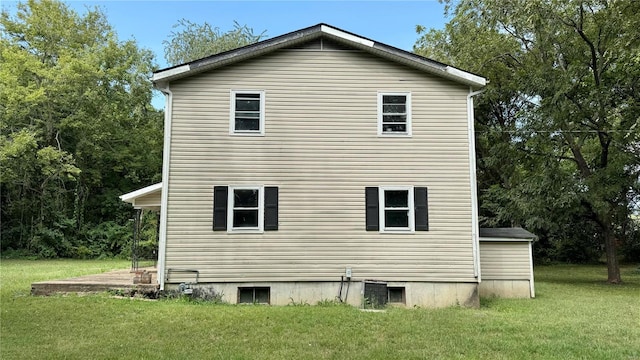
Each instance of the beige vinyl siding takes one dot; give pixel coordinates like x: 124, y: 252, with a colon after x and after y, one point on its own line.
x: 505, y: 260
x: 321, y: 149
x: 150, y: 200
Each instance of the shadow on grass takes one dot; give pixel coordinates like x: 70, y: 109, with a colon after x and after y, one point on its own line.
x: 580, y: 281
x: 487, y: 302
x: 593, y: 275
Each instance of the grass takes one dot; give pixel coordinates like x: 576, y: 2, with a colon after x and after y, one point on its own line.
x: 574, y: 316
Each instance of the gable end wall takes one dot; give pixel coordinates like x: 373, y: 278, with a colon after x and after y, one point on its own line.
x: 321, y: 149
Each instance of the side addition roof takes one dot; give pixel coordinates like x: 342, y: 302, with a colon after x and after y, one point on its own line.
x: 145, y: 198
x: 506, y: 234
x: 310, y: 33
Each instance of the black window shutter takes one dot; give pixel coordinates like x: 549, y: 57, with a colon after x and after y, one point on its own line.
x: 372, y: 214
x: 421, y: 204
x: 220, y: 198
x: 271, y: 208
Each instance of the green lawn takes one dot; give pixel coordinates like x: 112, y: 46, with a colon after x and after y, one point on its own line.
x: 575, y: 316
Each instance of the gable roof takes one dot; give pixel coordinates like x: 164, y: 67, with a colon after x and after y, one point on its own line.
x: 304, y: 35
x: 506, y: 234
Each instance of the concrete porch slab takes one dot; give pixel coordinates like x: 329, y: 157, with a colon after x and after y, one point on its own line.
x: 112, y: 280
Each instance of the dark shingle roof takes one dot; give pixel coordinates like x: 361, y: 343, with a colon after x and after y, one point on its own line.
x: 506, y: 233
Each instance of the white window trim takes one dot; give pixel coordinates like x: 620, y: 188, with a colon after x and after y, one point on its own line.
x: 232, y: 113
x: 380, y: 113
x: 410, y: 203
x: 231, y: 206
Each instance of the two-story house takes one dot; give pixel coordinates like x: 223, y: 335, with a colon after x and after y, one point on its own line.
x: 319, y: 165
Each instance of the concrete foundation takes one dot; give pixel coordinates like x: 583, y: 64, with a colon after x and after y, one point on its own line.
x: 505, y: 288
x: 421, y: 294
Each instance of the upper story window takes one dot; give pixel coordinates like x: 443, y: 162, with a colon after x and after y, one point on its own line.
x: 394, y: 114
x: 247, y: 112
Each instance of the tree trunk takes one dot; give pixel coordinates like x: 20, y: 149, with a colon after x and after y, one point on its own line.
x: 613, y: 268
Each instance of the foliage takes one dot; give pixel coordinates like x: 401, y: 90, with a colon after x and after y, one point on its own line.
x: 77, y: 130
x: 199, y: 294
x: 557, y: 128
x: 574, y: 316
x: 331, y: 302
x: 148, y: 242
x: 191, y: 41
x: 631, y: 248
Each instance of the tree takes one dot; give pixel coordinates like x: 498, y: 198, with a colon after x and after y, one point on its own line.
x: 568, y: 74
x: 194, y: 41
x: 77, y: 127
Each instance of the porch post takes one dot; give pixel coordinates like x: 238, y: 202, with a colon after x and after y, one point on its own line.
x: 136, y: 239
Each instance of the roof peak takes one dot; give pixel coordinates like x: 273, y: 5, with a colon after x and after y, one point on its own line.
x: 310, y: 33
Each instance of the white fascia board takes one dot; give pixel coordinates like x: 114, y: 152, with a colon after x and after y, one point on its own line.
x: 341, y: 34
x: 170, y: 72
x: 493, y: 239
x: 129, y: 197
x: 475, y: 79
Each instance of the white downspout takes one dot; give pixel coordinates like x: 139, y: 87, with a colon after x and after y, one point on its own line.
x: 531, y: 279
x: 162, y: 242
x: 475, y: 238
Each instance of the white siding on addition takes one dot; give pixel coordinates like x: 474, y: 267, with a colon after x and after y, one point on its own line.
x: 505, y: 260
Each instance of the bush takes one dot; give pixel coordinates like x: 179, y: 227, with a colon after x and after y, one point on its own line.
x: 108, y: 239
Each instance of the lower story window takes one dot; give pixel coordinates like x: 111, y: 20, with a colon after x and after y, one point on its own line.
x: 254, y: 295
x: 396, y: 295
x: 396, y: 208
x: 246, y: 208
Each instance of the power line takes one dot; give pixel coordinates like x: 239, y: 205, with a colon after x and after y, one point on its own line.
x: 558, y: 131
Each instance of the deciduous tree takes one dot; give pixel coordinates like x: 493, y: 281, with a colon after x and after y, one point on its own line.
x: 77, y: 127
x: 565, y: 79
x: 190, y: 41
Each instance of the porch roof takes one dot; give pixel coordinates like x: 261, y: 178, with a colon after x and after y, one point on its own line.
x: 145, y: 198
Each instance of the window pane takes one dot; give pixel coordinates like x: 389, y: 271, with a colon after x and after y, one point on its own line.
x: 248, y: 96
x: 394, y: 108
x: 247, y: 124
x: 245, y: 198
x: 262, y: 295
x: 247, y: 105
x: 396, y: 218
x: 246, y: 295
x: 394, y: 99
x: 394, y: 118
x: 396, y: 198
x: 396, y: 295
x: 394, y: 128
x: 245, y: 218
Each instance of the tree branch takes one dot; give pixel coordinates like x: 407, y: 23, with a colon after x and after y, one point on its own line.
x: 594, y: 55
x: 583, y: 166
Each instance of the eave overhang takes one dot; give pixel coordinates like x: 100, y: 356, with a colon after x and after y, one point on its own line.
x: 506, y: 234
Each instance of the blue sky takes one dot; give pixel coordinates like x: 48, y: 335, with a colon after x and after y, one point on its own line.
x: 151, y: 22
x: 390, y: 22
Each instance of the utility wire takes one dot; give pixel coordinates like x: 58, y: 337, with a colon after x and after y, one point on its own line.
x: 559, y: 131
